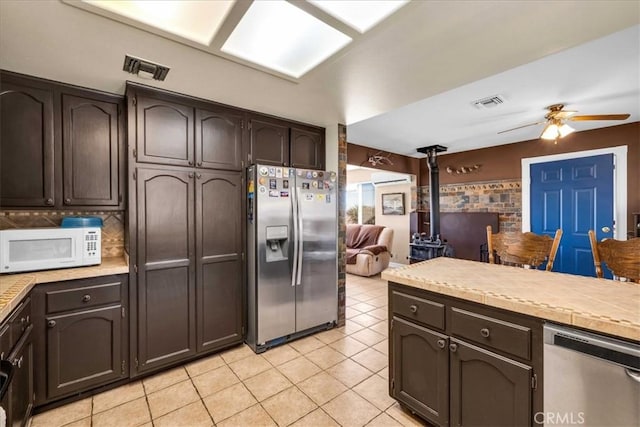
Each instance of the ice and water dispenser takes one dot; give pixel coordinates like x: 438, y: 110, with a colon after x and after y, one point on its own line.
x: 277, y: 247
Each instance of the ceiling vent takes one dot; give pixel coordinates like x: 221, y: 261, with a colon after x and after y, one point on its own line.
x: 489, y: 102
x: 145, y: 69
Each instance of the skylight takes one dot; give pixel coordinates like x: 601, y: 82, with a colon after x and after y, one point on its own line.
x: 197, y: 21
x: 280, y: 36
x: 361, y: 15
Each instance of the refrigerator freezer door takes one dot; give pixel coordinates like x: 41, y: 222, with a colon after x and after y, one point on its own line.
x: 274, y: 244
x: 316, y: 290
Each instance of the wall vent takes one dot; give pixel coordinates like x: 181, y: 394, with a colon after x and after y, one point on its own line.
x: 489, y: 102
x: 144, y: 68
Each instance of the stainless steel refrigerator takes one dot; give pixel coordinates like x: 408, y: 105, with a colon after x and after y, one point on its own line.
x: 291, y: 254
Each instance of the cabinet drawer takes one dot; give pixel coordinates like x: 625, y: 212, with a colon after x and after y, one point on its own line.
x: 498, y: 334
x: 78, y: 298
x: 418, y: 309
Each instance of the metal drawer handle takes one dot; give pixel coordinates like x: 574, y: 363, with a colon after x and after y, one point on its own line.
x: 199, y: 163
x: 441, y: 343
x: 49, y: 202
x: 453, y: 347
x: 67, y: 201
x: 18, y: 362
x: 484, y: 332
x: 413, y: 308
x: 51, y: 323
x: 86, y: 298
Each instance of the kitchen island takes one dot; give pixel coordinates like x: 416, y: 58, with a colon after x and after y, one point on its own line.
x: 466, y: 338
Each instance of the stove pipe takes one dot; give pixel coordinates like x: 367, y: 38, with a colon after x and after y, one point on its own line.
x: 434, y: 188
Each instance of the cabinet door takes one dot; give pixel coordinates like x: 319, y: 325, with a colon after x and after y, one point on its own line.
x: 420, y: 370
x: 218, y: 139
x: 488, y: 389
x: 307, y: 149
x: 164, y: 132
x: 90, y: 146
x: 166, y: 273
x: 21, y: 389
x: 219, y: 259
x: 26, y: 144
x: 269, y: 143
x: 84, y: 349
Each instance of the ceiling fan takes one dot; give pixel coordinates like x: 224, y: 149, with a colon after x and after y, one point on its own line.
x: 555, y: 120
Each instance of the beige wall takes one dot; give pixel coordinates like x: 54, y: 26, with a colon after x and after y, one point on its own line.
x: 399, y: 223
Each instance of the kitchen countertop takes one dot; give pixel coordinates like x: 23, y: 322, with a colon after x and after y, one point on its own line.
x: 601, y: 305
x: 14, y: 287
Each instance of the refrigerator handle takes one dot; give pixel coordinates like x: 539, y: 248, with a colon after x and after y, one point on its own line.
x: 299, y: 239
x: 294, y: 209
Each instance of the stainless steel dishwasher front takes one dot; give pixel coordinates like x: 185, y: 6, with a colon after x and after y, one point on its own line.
x: 589, y: 379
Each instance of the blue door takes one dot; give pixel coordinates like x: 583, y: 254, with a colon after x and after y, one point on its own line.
x: 575, y: 195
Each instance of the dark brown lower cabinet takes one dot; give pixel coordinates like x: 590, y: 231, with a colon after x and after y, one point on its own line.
x: 190, y: 267
x: 421, y: 370
x: 219, y: 269
x: 84, y: 349
x: 448, y: 381
x: 21, y: 391
x: 488, y: 389
x: 16, y: 346
x: 81, y: 335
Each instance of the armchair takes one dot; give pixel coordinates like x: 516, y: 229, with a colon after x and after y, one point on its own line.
x: 368, y: 249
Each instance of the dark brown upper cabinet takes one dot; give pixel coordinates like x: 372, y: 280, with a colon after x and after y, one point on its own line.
x: 268, y: 142
x: 91, y: 150
x: 26, y: 142
x: 164, y: 130
x: 219, y: 138
x: 281, y: 143
x: 307, y: 148
x: 61, y: 146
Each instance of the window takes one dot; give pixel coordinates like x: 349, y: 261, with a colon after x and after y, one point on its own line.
x: 361, y: 203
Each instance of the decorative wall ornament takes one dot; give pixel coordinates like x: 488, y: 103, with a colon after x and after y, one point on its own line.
x: 378, y: 158
x: 452, y: 170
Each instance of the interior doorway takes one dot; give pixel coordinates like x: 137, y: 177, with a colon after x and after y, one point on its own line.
x: 382, y: 198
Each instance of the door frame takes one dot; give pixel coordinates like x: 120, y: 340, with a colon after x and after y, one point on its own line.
x: 619, y: 184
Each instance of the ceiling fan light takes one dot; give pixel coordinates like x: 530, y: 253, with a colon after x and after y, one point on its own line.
x: 565, y: 130
x: 551, y: 132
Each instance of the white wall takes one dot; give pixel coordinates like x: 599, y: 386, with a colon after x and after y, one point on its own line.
x: 399, y: 223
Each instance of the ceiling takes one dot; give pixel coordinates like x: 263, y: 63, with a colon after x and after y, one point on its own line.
x: 598, y: 77
x: 441, y: 53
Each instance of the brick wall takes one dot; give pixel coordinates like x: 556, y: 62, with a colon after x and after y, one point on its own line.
x: 502, y: 196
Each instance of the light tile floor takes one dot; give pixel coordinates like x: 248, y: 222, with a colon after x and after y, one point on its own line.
x: 333, y: 378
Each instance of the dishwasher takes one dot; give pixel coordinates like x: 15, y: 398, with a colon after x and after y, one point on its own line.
x: 589, y: 379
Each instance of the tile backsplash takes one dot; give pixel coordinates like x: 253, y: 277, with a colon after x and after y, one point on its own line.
x: 503, y: 197
x: 112, y: 229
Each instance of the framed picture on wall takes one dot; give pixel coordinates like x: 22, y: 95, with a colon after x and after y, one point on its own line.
x: 393, y: 204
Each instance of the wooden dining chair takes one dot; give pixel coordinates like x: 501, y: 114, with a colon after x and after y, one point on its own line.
x: 622, y: 257
x: 523, y: 249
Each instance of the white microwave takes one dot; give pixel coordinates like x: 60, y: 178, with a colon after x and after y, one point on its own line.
x: 31, y: 249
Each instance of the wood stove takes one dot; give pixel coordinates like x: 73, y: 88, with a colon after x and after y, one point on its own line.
x: 423, y: 247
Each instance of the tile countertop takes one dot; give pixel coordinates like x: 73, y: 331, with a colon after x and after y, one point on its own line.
x: 600, y: 305
x: 14, y: 287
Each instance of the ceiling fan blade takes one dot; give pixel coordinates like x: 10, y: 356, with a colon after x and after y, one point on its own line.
x: 520, y: 127
x: 599, y: 117
x: 564, y: 114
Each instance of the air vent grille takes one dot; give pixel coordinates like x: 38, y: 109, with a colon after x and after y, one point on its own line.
x: 489, y: 102
x: 137, y: 66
